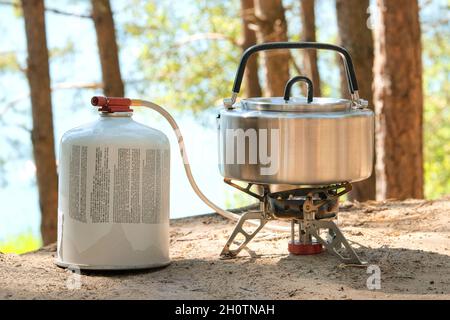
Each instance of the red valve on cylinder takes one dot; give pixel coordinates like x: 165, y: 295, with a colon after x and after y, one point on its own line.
x: 111, y: 104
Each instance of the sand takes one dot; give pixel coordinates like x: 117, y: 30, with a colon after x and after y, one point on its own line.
x: 409, y: 241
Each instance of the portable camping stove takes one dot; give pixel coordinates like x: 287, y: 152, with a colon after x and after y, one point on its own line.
x: 310, y: 209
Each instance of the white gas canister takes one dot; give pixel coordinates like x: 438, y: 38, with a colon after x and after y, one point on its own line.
x: 113, y: 193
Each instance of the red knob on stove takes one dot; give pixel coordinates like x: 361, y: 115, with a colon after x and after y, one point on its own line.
x: 299, y: 248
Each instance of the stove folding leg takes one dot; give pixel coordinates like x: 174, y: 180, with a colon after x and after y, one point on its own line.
x: 250, y: 215
x: 335, y: 242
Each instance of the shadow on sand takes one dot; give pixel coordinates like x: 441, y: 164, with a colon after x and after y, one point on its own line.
x: 403, y: 271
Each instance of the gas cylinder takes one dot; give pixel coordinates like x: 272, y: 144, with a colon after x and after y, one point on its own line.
x: 113, y: 210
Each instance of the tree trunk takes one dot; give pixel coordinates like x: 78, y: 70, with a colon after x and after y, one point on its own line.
x: 309, y: 34
x: 398, y: 100
x: 107, y: 46
x: 251, y: 80
x: 41, y: 105
x: 272, y: 27
x: 356, y: 37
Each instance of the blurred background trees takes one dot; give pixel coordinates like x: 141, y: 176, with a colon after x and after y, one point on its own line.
x: 42, y: 137
x: 184, y: 55
x: 251, y: 77
x: 398, y: 100
x: 354, y: 35
x: 308, y: 34
x: 107, y: 48
x: 271, y: 26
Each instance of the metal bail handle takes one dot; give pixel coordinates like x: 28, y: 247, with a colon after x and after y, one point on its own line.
x: 290, y: 83
x: 348, y: 64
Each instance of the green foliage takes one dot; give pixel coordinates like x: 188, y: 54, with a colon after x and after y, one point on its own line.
x: 9, y: 62
x: 62, y: 52
x: 22, y: 243
x: 436, y: 69
x: 237, y: 199
x: 188, y: 56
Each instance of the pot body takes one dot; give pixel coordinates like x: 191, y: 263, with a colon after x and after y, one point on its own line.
x: 296, y: 148
x: 113, y: 195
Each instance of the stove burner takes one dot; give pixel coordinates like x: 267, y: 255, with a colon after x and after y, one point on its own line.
x: 310, y: 209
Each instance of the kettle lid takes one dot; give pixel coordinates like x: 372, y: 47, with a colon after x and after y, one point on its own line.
x: 292, y: 104
x: 296, y: 104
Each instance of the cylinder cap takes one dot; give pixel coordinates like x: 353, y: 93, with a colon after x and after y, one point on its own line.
x: 111, y: 104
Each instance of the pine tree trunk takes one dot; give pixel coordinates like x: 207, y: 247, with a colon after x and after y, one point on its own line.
x: 356, y: 37
x: 41, y: 105
x: 309, y: 34
x: 107, y: 46
x: 251, y: 80
x: 398, y: 100
x: 272, y: 27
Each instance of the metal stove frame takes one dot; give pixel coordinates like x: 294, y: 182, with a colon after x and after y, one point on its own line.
x: 311, y: 208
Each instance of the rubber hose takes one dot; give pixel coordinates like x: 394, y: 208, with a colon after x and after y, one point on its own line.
x: 187, y: 167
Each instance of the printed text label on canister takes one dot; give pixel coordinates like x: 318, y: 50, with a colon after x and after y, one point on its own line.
x: 114, y: 196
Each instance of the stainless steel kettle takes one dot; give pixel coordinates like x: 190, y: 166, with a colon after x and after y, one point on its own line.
x: 296, y: 140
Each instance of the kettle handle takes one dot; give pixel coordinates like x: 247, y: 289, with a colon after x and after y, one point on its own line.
x: 348, y: 64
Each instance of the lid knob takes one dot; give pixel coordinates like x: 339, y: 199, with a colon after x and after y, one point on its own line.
x: 290, y: 83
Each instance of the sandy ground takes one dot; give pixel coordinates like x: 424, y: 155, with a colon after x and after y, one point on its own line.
x: 409, y: 241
